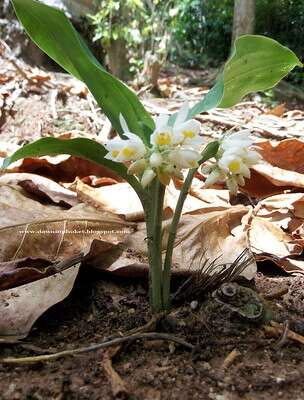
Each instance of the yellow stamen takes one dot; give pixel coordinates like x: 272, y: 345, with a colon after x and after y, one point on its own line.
x: 114, y: 153
x: 163, y: 139
x: 188, y: 134
x: 234, y: 166
x: 128, y: 152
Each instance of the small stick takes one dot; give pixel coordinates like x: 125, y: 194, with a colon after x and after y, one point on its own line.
x: 94, y: 347
x: 118, y: 386
x: 276, y: 330
x: 229, y: 360
x: 284, y: 336
x: 276, y: 295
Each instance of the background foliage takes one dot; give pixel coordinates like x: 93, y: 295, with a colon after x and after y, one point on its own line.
x: 196, y: 32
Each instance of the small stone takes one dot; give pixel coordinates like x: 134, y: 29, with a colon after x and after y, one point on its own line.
x: 194, y: 305
x: 131, y: 311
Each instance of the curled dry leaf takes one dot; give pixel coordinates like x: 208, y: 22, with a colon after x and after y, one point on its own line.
x: 276, y: 231
x: 22, y: 306
x: 282, y: 168
x: 42, y: 188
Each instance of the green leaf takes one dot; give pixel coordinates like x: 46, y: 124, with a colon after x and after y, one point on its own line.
x: 84, y: 148
x: 257, y: 63
x: 52, y: 31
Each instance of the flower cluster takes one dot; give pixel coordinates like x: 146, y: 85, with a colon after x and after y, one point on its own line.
x: 172, y: 148
x: 233, y: 160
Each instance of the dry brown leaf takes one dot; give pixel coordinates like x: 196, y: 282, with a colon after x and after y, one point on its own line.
x: 282, y: 168
x: 42, y: 188
x: 200, y: 238
x: 21, y: 306
x: 62, y: 168
x: 286, y: 154
x: 30, y: 229
x: 276, y: 231
x: 119, y: 199
x: 278, y: 111
x: 32, y: 236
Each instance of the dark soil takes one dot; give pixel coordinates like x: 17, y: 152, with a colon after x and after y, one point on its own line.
x: 100, y: 306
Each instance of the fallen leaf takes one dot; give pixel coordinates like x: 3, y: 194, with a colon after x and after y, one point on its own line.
x: 200, y: 238
x: 278, y: 110
x: 286, y: 154
x: 20, y: 307
x: 276, y: 231
x: 41, y: 187
x: 31, y: 229
x: 61, y: 168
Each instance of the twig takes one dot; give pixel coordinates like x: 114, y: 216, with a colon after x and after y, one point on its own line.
x: 94, y: 347
x: 12, y: 60
x: 53, y: 97
x: 276, y: 330
x: 284, y: 336
x: 229, y: 360
x: 276, y: 295
x: 118, y: 386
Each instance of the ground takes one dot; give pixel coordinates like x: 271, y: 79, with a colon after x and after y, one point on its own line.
x: 99, y: 306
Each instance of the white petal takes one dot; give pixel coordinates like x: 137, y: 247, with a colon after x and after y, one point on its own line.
x: 252, y: 158
x: 156, y: 160
x: 161, y: 121
x: 182, y: 114
x: 184, y: 158
x: 123, y: 124
x: 244, y: 170
x: 147, y: 177
x: 215, y: 176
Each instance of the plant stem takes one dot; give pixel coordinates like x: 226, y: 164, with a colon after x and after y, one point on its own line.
x: 154, y: 237
x: 172, y: 236
x: 209, y: 152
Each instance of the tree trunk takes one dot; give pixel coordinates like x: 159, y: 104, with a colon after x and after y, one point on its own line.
x: 243, y: 18
x: 117, y: 59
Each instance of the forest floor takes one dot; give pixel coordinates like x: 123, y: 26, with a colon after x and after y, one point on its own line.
x: 232, y: 358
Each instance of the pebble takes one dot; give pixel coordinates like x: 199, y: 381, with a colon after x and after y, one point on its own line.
x: 194, y: 305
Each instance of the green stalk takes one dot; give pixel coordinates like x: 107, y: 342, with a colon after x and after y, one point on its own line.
x: 154, y: 214
x: 209, y: 152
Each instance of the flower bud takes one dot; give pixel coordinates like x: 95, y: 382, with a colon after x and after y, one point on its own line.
x: 137, y: 167
x: 147, y: 177
x: 156, y: 160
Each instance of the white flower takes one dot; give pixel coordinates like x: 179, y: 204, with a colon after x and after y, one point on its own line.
x: 130, y: 149
x: 147, y: 177
x: 186, y: 132
x: 163, y: 133
x: 234, y: 160
x: 184, y: 158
